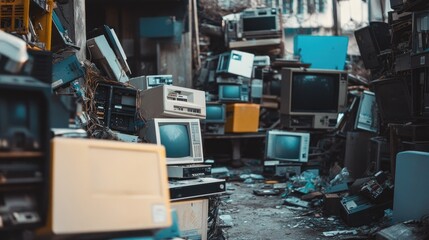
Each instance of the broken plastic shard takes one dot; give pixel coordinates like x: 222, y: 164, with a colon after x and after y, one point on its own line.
x: 342, y: 232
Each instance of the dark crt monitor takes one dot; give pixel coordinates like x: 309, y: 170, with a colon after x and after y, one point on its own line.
x: 260, y: 23
x: 21, y: 120
x: 176, y: 140
x: 314, y: 92
x: 394, y: 99
x: 229, y: 92
x: 287, y: 146
x: 312, y: 98
x: 128, y: 100
x: 215, y: 113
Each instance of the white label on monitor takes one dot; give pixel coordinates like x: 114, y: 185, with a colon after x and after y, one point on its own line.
x: 57, y: 83
x: 159, y: 214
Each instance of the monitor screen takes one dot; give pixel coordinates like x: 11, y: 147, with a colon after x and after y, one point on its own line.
x: 314, y: 92
x: 20, y: 127
x: 230, y: 91
x: 18, y: 113
x: 215, y: 112
x: 181, y: 138
x: 287, y: 147
x: 176, y: 140
x: 259, y: 23
x: 128, y: 100
x: 394, y: 99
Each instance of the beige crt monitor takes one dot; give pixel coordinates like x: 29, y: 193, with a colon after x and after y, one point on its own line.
x: 108, y: 186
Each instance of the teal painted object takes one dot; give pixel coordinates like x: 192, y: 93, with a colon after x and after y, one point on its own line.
x: 66, y: 70
x: 322, y: 52
x: 161, y: 27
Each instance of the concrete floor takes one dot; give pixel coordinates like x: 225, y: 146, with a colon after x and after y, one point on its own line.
x: 266, y: 218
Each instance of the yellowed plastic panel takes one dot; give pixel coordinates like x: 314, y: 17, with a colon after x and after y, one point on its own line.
x: 193, y: 218
x: 105, y: 186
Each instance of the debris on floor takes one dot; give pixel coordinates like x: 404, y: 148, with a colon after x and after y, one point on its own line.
x: 342, y: 232
x: 308, y: 206
x: 226, y: 221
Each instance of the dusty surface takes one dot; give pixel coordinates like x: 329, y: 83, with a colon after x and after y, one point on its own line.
x: 267, y: 218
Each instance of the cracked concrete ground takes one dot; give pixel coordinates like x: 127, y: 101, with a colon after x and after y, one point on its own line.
x: 267, y: 218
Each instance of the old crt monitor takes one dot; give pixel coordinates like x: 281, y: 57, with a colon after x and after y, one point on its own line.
x: 312, y: 98
x: 102, y: 54
x: 236, y: 63
x: 233, y: 92
x: 261, y: 23
x: 24, y: 111
x: 150, y: 81
x: 215, y: 119
x: 367, y: 115
x: 215, y: 113
x: 287, y: 146
x: 180, y: 137
x: 173, y: 101
x: 106, y: 186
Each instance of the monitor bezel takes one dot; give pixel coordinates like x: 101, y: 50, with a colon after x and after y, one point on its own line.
x: 153, y: 136
x: 303, y: 148
x: 286, y: 91
x: 359, y: 126
x: 223, y: 106
x: 221, y: 95
x: 255, y: 14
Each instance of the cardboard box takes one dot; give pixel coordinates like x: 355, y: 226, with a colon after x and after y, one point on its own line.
x: 242, y: 117
x: 193, y: 218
